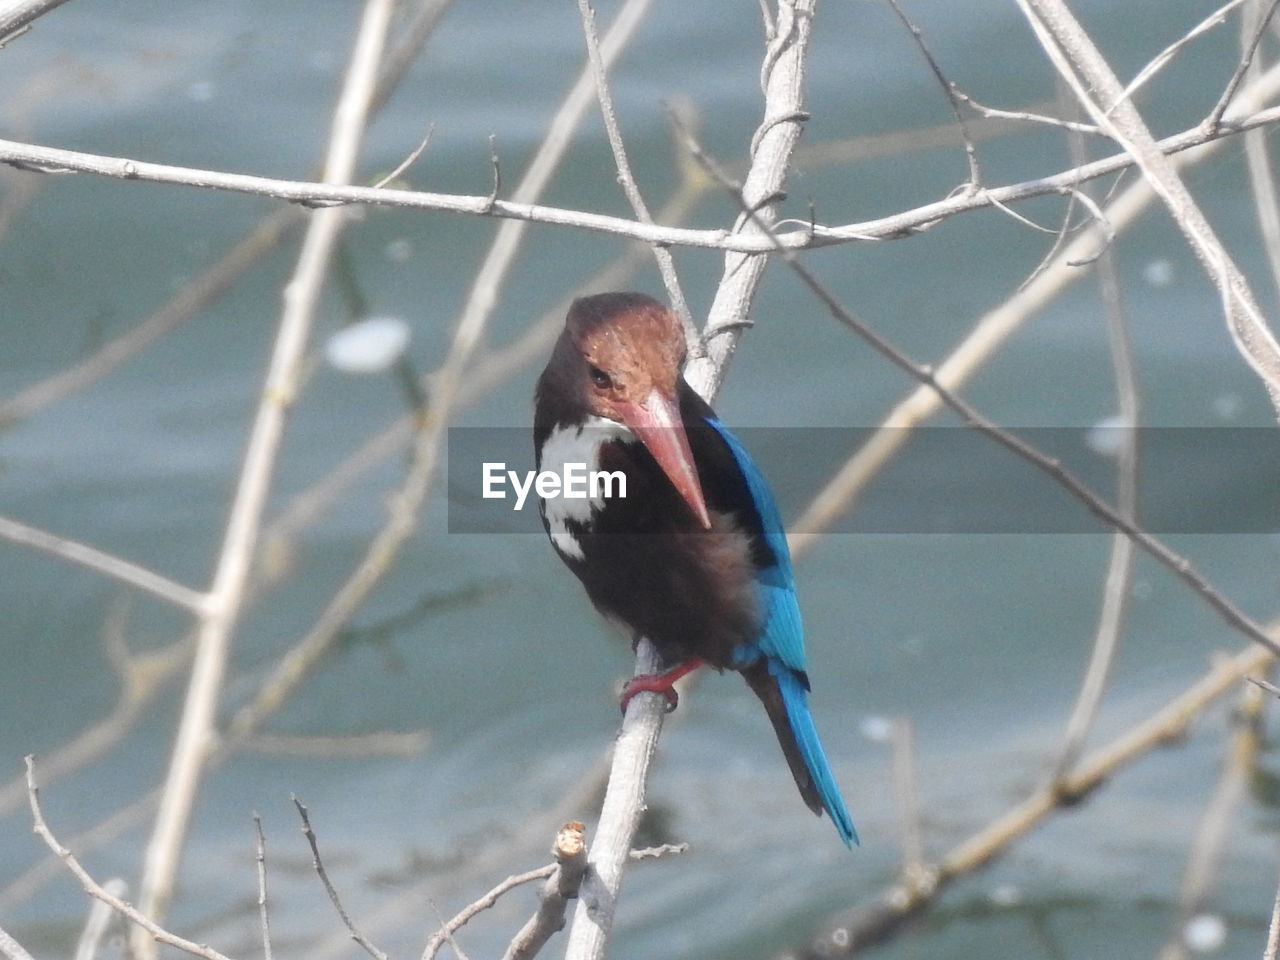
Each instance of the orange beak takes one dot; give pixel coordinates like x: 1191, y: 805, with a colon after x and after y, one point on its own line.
x: 657, y: 423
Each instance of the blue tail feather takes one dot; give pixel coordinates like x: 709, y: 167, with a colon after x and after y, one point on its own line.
x: 796, y: 701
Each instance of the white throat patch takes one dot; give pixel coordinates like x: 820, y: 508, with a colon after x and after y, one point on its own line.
x: 577, y: 445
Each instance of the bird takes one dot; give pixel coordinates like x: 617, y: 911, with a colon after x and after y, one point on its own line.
x: 691, y: 553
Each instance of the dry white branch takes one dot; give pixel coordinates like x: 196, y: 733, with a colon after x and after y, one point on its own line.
x: 317, y: 864
x: 457, y: 922
x: 1096, y: 86
x: 619, y: 816
x: 11, y: 948
x: 782, y: 81
x: 196, y: 732
x: 94, y: 889
x: 264, y: 913
x: 18, y: 15
x: 50, y: 159
x: 115, y: 567
x: 1163, y: 58
x: 570, y: 852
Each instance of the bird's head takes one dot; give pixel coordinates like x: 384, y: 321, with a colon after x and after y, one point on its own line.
x: 621, y: 354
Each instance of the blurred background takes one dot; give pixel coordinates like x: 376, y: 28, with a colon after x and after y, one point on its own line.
x: 463, y: 712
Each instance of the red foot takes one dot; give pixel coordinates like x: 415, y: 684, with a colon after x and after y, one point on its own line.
x: 658, y: 683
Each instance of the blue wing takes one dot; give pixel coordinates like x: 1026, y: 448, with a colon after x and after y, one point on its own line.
x: 782, y: 636
x: 781, y: 639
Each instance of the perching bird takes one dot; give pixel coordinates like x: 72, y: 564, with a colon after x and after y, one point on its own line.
x: 694, y: 556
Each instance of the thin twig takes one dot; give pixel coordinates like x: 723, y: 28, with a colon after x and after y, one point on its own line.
x: 440, y: 937
x: 94, y: 889
x: 1163, y: 58
x: 627, y: 179
x: 1022, y: 116
x: 661, y: 850
x: 948, y: 88
x: 408, y: 161
x: 1257, y: 153
x: 318, y: 864
x: 1242, y: 68
x: 1115, y: 591
x: 105, y: 563
x: 260, y: 856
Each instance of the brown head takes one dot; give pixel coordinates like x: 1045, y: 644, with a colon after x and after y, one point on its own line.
x: 620, y: 358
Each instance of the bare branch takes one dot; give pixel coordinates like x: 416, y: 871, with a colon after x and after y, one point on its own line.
x: 11, y: 948
x: 666, y: 265
x: 1116, y: 586
x: 94, y: 889
x: 1082, y: 66
x: 112, y: 566
x: 260, y: 856
x: 1162, y: 59
x: 949, y: 88
x: 16, y: 16
x: 619, y: 815
x: 1242, y: 68
x: 196, y: 727
x: 318, y: 864
x: 42, y: 158
x: 441, y: 937
x: 570, y: 853
x: 408, y: 161
x: 782, y: 80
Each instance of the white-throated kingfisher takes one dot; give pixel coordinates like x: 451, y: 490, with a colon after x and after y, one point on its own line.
x: 694, y: 556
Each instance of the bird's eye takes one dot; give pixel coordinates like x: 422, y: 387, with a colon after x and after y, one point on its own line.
x: 599, y: 377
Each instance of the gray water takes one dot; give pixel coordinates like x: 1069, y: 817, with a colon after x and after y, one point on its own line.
x: 980, y: 639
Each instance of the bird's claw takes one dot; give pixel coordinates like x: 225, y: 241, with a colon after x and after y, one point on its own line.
x: 653, y: 683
